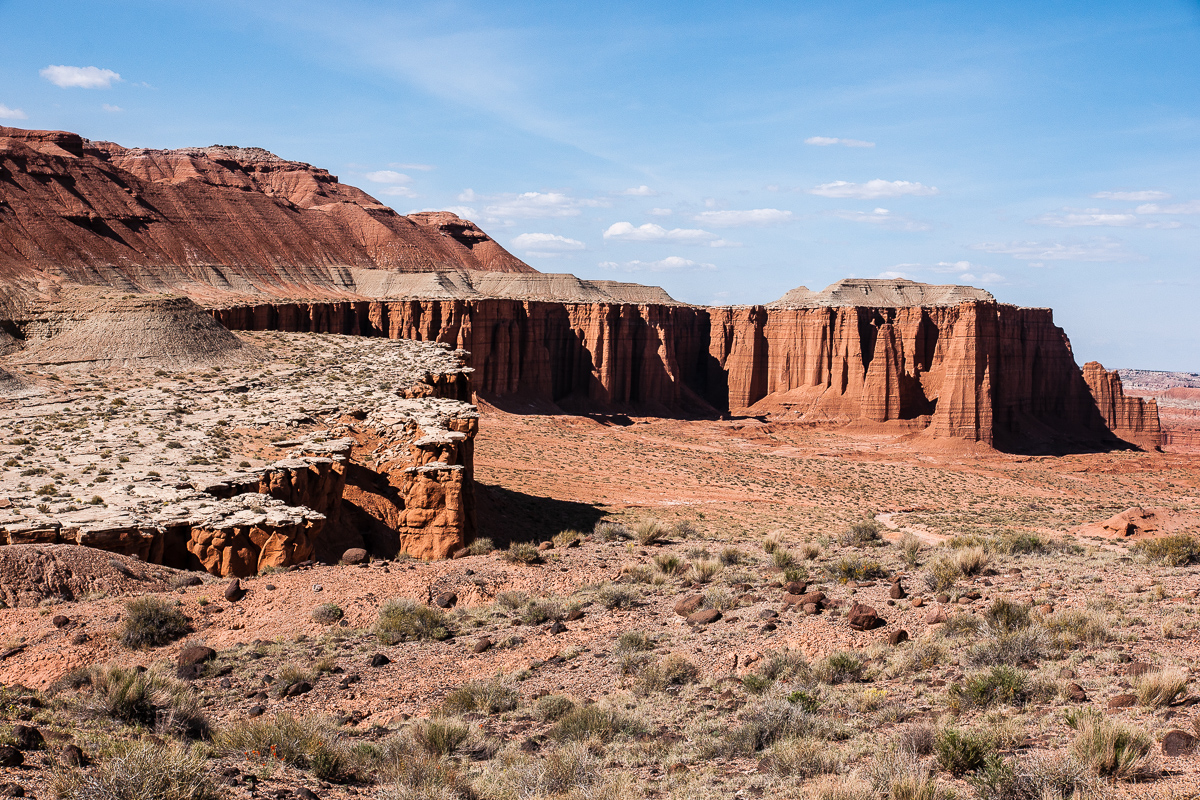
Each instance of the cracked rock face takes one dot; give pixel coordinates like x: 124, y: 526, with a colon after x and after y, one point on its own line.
x: 238, y: 468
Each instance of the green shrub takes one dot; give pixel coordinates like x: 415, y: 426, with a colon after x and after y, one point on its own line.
x: 704, y: 571
x: 1109, y: 748
x: 1035, y: 777
x: 1176, y: 550
x: 607, y: 531
x: 1161, y: 687
x: 910, y: 549
x: 406, y: 620
x: 805, y: 701
x: 673, y: 670
x: 553, y: 707
x: 959, y: 752
x: 147, y: 698
x: 1073, y: 627
x: 328, y: 614
x: 972, y: 560
x: 668, y: 563
x: 439, y: 737
x: 566, y: 538
x: 309, y: 743
x: 521, y: 553
x: 864, y: 533
x: 941, y: 573
x: 613, y: 596
x: 1019, y: 647
x: 586, y: 722
x: 490, y: 697
x: 784, y: 665
x: 141, y: 770
x: 839, y: 667
x: 731, y: 556
x: 756, y: 684
x: 481, y: 547
x: 774, y: 721
x: 1006, y: 616
x: 1001, y: 684
x: 650, y: 532
x: 635, y: 641
x: 853, y: 568
x: 512, y: 599
x: 537, y: 612
x: 783, y: 558
x: 803, y: 758
x: 151, y: 622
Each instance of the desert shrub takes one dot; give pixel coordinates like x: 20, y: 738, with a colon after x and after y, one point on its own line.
x: 668, y: 563
x: 918, y: 738
x: 538, y: 611
x: 774, y: 721
x: 512, y: 599
x: 783, y: 558
x: 864, y: 533
x: 972, y: 560
x: 640, y: 573
x: 490, y: 697
x: 685, y: 529
x: 1176, y: 550
x: 810, y: 550
x: 521, y: 553
x: 309, y: 743
x: 635, y: 642
x: 439, y: 737
x: 151, y: 622
x: 900, y: 774
x: 755, y: 684
x: 961, y: 625
x: 1161, y: 688
x: 481, y: 546
x: 1072, y: 627
x: 806, y: 701
x: 570, y: 770
x: 1000, y: 684
x: 773, y: 541
x: 289, y: 675
x: 586, y: 722
x: 650, y: 531
x: 406, y: 620
x: 731, y: 556
x: 1110, y: 748
x: 704, y: 571
x: 613, y: 596
x: 672, y: 670
x: 784, y: 665
x: 839, y: 667
x: 1036, y: 777
x: 720, y: 598
x: 921, y: 654
x: 959, y: 752
x: 142, y: 770
x: 941, y: 573
x: 553, y: 707
x: 1006, y: 616
x: 1019, y: 647
x: 803, y: 758
x: 147, y: 698
x: 852, y: 568
x: 566, y: 538
x: 608, y: 531
x: 328, y: 614
x: 410, y: 774
x: 910, y: 549
x: 1015, y: 544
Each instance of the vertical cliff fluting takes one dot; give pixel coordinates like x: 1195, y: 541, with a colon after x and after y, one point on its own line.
x: 978, y: 371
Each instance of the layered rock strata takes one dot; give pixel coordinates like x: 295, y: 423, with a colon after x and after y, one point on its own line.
x: 358, y: 442
x: 1177, y: 397
x: 977, y: 370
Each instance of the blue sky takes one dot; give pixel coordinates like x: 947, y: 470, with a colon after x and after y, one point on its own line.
x: 728, y: 152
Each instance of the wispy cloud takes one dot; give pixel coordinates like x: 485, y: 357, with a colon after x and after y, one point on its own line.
x: 660, y: 212
x: 417, y: 167
x: 638, y: 191
x: 387, y: 176
x: 12, y: 113
x: 883, y: 218
x: 546, y: 245
x: 1136, y: 197
x: 983, y: 279
x: 668, y: 264
x: 737, y: 219
x: 626, y: 232
x: 534, y: 205
x: 111, y: 108
x: 826, y: 141
x: 872, y: 190
x: 1095, y: 218
x: 1190, y: 207
x: 80, y: 77
x: 1099, y: 249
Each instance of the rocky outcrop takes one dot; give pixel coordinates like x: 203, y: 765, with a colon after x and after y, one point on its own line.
x: 1133, y: 419
x: 1177, y: 396
x: 978, y: 371
x: 214, y: 222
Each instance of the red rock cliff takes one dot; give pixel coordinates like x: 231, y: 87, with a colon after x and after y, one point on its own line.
x: 1131, y: 418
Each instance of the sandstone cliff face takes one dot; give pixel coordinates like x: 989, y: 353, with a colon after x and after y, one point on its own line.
x: 215, y: 222
x: 978, y: 371
x: 1131, y: 418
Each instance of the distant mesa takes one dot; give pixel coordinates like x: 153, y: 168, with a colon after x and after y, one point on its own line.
x: 881, y: 293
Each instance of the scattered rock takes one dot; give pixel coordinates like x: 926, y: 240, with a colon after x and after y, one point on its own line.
x: 863, y: 618
x: 297, y: 688
x: 72, y: 756
x: 936, y: 616
x: 575, y: 614
x: 306, y: 794
x: 355, y: 555
x: 811, y: 608
x: 446, y: 600
x: 705, y: 616
x: 546, y: 546
x: 60, y: 621
x: 234, y: 591
x: 188, y: 580
x: 767, y: 613
x: 918, y: 602
x: 796, y: 587
x: 686, y: 606
x: 379, y: 659
x: 897, y: 591
x: 1122, y: 701
x: 317, y: 587
x: 482, y: 645
x: 1178, y: 743
x: 255, y: 711
x: 197, y: 654
x: 27, y: 737
x: 557, y: 627
x: 12, y: 790
x: 897, y: 636
x: 1076, y: 694
x: 10, y: 756
x: 942, y: 598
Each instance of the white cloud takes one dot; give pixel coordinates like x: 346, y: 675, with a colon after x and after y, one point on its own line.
x: 1100, y: 249
x: 417, y: 167
x: 986, y: 279
x: 892, y: 274
x: 872, y: 190
x: 952, y: 266
x: 12, y: 113
x: 626, y: 232
x: 883, y: 218
x: 467, y: 196
x: 668, y: 264
x: 733, y: 219
x: 537, y: 205
x: 1137, y: 197
x: 826, y: 141
x: 661, y: 212
x: 1190, y: 207
x: 638, y: 191
x: 111, y: 108
x: 80, y: 77
x: 1095, y: 218
x: 545, y: 245
x: 387, y: 176
x: 398, y: 191
x: 724, y: 243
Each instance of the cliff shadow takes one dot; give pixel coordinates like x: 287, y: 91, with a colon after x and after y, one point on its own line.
x: 506, y: 516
